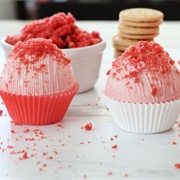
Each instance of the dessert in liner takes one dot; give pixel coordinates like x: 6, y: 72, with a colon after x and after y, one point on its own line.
x: 142, y: 90
x: 37, y: 83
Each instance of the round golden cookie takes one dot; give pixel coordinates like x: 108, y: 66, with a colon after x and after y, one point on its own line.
x: 125, y: 42
x: 141, y: 24
x: 118, y: 53
x: 121, y: 44
x: 137, y: 30
x: 119, y: 48
x: 137, y: 37
x: 141, y: 15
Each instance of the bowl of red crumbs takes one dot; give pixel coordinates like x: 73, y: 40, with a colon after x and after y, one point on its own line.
x: 83, y: 48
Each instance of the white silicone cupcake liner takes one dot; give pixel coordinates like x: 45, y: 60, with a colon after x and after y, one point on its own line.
x: 143, y: 118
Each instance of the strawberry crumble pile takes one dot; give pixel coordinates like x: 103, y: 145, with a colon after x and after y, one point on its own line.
x: 60, y: 28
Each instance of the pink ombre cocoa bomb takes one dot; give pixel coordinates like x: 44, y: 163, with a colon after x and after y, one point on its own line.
x: 37, y: 83
x: 37, y: 67
x: 144, y: 74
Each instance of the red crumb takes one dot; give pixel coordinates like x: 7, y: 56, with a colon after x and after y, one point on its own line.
x: 114, y: 146
x: 29, y: 139
x: 55, y: 152
x: 109, y: 173
x: 26, y: 130
x: 40, y: 169
x: 60, y: 125
x: 44, y: 153
x: 1, y: 112
x: 88, y: 126
x: 60, y: 29
x: 50, y: 157
x: 177, y: 165
x: 174, y: 143
x: 12, y: 131
x: 154, y: 91
x: 108, y: 72
x: 85, y: 176
x: 146, y: 55
x: 24, y: 156
x: 37, y: 48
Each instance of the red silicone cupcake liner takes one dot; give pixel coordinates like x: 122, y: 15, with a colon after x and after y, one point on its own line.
x: 38, y: 110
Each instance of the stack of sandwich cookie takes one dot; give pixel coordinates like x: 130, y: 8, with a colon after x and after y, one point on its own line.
x: 136, y: 24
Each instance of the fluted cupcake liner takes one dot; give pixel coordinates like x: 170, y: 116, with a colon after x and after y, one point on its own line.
x: 38, y: 110
x: 143, y: 118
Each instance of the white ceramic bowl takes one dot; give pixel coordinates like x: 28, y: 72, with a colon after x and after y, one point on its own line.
x: 85, y: 61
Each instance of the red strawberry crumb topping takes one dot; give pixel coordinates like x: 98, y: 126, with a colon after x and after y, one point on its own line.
x: 146, y: 62
x: 88, y: 126
x: 85, y: 176
x: 109, y: 173
x: 26, y: 130
x: 148, y: 56
x: 40, y: 169
x: 154, y: 91
x: 50, y: 157
x: 177, y: 165
x: 44, y: 153
x: 60, y: 28
x: 24, y: 156
x: 37, y: 48
x: 12, y: 131
x: 1, y: 112
x: 114, y: 146
x: 59, y: 125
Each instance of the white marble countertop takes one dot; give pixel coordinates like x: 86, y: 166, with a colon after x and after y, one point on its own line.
x: 67, y: 151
